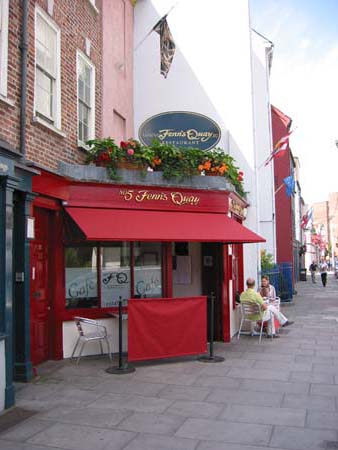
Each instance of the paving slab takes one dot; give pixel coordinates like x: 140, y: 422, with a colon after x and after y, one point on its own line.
x: 25, y: 430
x: 283, y: 366
x: 243, y: 397
x: 323, y: 420
x: 260, y: 373
x: 120, y: 386
x: 311, y: 377
x: 207, y: 445
x: 7, y: 445
x: 75, y: 437
x: 152, y: 423
x: 264, y: 415
x: 294, y: 387
x: 221, y: 382
x: 86, y: 416
x: 195, y: 409
x: 216, y: 430
x: 152, y: 442
x: 301, y: 438
x: 132, y: 403
x: 324, y: 389
x: 184, y: 393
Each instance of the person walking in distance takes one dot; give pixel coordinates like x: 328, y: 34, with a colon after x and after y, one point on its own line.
x: 313, y: 269
x: 323, y: 271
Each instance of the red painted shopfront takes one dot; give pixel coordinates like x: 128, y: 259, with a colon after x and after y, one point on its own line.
x: 95, y: 242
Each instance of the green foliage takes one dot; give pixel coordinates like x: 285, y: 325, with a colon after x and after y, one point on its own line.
x: 174, y: 162
x: 267, y: 262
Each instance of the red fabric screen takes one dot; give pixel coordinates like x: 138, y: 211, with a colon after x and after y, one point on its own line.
x: 101, y: 224
x: 164, y: 328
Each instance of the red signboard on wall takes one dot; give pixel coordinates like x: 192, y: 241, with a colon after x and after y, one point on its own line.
x: 164, y: 328
x: 147, y: 198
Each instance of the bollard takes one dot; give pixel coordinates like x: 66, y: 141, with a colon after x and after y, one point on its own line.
x: 121, y: 368
x: 211, y: 358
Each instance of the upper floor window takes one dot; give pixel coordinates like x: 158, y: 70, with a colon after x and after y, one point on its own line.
x: 47, y: 69
x: 3, y: 46
x: 86, y: 98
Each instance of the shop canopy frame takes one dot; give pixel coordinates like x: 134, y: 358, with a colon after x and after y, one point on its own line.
x: 107, y: 224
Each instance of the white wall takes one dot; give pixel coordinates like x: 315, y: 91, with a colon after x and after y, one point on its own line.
x: 2, y: 374
x: 263, y: 142
x: 210, y: 74
x: 217, y: 71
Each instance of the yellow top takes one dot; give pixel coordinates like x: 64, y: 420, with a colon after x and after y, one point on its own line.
x: 251, y: 296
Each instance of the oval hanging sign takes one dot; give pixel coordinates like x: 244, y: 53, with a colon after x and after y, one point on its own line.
x: 182, y: 129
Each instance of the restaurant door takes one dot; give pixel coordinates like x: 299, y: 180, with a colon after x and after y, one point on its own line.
x: 40, y: 288
x: 212, y: 281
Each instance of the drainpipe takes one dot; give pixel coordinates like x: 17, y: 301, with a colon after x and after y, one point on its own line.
x: 23, y: 83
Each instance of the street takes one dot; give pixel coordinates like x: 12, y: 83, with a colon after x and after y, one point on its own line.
x: 281, y: 394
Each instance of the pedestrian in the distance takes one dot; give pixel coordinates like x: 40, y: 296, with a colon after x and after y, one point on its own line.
x: 313, y: 269
x: 323, y: 271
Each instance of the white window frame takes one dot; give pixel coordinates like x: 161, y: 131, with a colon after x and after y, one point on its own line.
x: 93, y: 5
x: 91, y: 129
x: 57, y: 102
x: 4, y: 6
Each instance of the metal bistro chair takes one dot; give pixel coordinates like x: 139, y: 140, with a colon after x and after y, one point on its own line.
x: 251, y: 309
x: 275, y: 301
x: 90, y: 330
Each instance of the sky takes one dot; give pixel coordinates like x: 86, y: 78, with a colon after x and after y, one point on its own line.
x: 304, y: 83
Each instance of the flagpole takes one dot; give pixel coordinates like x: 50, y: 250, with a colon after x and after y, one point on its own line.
x: 279, y: 188
x: 149, y: 33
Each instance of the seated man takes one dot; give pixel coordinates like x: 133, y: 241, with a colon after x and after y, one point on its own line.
x: 269, y: 311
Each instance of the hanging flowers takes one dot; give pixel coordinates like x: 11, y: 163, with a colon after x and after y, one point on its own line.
x: 173, y: 162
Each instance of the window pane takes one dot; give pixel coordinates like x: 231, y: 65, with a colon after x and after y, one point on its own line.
x: 44, y: 94
x: 84, y: 82
x: 81, y: 88
x: 115, y: 274
x: 148, y: 270
x: 46, y: 41
x: 81, y: 277
x: 83, y: 122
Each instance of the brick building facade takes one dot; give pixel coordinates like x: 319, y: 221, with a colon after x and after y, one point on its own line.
x: 52, y: 58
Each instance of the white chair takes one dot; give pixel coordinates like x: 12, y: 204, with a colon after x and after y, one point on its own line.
x: 249, y: 309
x: 90, y: 330
x: 276, y: 302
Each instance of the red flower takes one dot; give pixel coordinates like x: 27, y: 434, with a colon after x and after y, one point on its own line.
x: 104, y: 156
x: 124, y: 144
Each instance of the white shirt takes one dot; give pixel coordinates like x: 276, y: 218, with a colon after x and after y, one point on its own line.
x: 323, y: 267
x: 272, y: 291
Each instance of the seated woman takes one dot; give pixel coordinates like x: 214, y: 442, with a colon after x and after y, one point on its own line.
x: 268, y: 291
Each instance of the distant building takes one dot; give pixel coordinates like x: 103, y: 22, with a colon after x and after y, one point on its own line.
x: 284, y: 166
x: 325, y: 227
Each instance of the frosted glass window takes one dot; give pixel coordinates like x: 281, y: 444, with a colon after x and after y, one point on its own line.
x: 115, y: 274
x: 81, y: 277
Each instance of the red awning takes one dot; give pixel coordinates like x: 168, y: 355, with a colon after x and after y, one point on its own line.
x: 99, y: 224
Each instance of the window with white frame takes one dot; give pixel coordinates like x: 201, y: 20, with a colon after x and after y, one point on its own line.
x: 86, y: 98
x: 3, y: 46
x: 47, y: 70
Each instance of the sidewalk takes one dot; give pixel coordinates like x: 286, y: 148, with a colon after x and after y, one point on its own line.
x: 281, y: 394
